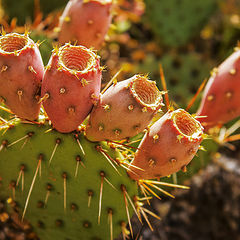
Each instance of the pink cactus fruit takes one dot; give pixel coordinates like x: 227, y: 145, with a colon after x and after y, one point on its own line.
x: 21, y: 73
x: 70, y: 86
x: 168, y: 146
x: 220, y: 102
x: 124, y: 110
x: 85, y: 22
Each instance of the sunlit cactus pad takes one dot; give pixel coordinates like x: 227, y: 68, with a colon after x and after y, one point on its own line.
x: 63, y: 183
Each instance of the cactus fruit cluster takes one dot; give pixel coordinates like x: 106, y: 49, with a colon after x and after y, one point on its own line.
x: 85, y: 22
x: 175, y: 22
x: 67, y: 186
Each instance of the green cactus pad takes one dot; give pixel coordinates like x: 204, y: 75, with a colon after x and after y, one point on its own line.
x: 58, y: 206
x: 176, y: 21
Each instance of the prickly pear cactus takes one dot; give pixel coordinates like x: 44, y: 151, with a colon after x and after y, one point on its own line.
x: 65, y: 185
x: 174, y: 22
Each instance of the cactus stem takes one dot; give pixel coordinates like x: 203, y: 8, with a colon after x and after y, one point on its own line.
x: 21, y: 176
x: 58, y: 141
x: 108, y: 158
x: 90, y: 194
x: 102, y: 175
x: 123, y: 188
x: 4, y: 68
x: 32, y: 185
x: 29, y: 135
x: 110, y: 220
x: 79, y: 144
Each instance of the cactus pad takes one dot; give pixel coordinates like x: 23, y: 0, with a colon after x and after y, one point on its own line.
x: 63, y: 183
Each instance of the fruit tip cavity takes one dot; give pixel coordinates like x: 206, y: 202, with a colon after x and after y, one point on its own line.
x: 146, y: 92
x: 187, y: 125
x: 14, y: 43
x: 76, y: 59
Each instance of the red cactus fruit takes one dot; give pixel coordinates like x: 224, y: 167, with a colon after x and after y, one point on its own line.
x: 85, y: 22
x: 124, y: 110
x: 70, y: 85
x: 168, y: 146
x: 220, y: 102
x: 21, y: 73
